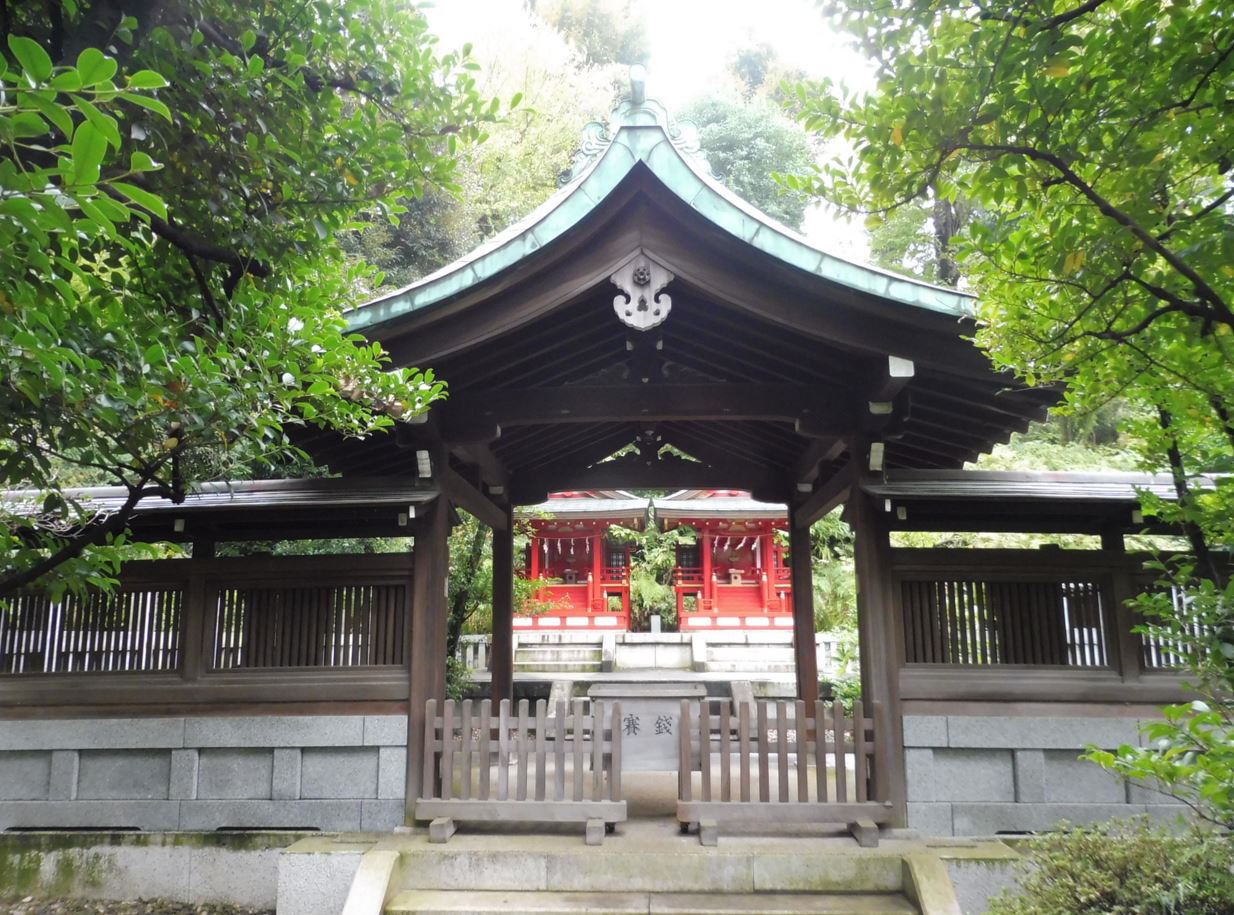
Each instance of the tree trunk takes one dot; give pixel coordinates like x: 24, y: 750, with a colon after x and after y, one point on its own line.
x: 948, y: 219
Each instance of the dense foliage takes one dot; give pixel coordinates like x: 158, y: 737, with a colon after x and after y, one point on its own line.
x: 172, y: 181
x: 747, y: 141
x: 1124, y: 868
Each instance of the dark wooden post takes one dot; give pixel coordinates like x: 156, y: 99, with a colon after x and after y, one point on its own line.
x: 1127, y: 647
x: 803, y: 611
x: 501, y: 662
x: 880, y: 640
x: 428, y: 633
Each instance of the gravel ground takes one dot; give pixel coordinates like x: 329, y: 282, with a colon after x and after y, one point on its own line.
x: 32, y: 906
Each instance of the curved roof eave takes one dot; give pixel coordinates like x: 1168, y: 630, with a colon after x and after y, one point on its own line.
x: 651, y: 145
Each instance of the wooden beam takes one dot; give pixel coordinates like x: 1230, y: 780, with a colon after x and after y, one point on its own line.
x: 891, y: 380
x: 801, y: 557
x: 428, y: 637
x: 881, y: 643
x: 502, y: 658
x: 825, y: 497
x: 480, y: 455
x: 819, y: 451
x: 634, y: 474
x: 455, y: 488
x: 825, y: 410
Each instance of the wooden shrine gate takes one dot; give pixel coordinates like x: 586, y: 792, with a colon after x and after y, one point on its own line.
x: 768, y: 739
x: 536, y: 767
x: 579, y: 747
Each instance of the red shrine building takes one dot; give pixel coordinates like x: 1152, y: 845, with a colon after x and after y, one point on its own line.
x: 586, y: 569
x: 734, y: 576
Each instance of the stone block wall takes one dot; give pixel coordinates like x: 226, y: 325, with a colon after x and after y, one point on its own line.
x: 330, y: 773
x: 979, y: 775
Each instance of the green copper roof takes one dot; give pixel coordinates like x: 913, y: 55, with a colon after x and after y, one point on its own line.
x: 640, y: 131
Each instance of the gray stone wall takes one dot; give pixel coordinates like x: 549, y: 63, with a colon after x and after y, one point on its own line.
x: 332, y: 773
x: 978, y: 775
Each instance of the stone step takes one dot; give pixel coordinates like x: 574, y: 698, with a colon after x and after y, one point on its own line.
x: 558, y: 667
x: 765, y: 667
x: 648, y: 871
x: 561, y: 653
x: 547, y: 637
x: 448, y: 902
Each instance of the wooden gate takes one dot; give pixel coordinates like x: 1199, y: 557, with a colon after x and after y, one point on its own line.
x: 764, y: 744
x: 531, y: 766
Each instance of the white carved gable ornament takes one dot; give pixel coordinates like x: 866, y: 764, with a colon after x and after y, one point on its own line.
x: 641, y: 304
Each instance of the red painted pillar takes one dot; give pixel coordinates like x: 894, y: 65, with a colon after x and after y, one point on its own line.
x: 767, y: 568
x: 533, y: 568
x: 708, y: 585
x: 597, y: 572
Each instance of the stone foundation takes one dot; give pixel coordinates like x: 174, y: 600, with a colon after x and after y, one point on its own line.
x: 329, y: 773
x: 974, y: 775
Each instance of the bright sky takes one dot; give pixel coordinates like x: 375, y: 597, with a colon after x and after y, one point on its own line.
x: 692, y: 42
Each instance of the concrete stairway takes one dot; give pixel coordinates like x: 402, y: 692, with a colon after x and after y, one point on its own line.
x: 739, y: 657
x: 441, y: 902
x: 560, y: 655
x: 673, y: 876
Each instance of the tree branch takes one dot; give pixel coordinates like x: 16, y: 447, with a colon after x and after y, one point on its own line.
x: 193, y: 244
x: 1222, y: 310
x: 11, y: 584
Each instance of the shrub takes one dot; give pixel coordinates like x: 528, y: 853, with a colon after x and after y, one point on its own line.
x: 1125, y: 868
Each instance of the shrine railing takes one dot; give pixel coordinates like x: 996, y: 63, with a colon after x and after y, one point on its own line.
x: 541, y: 763
x: 615, y: 575
x: 778, y: 763
x: 1058, y: 618
x: 687, y: 576
x: 245, y: 628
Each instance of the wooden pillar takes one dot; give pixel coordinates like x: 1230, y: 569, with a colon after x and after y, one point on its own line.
x: 767, y: 569
x: 533, y: 565
x: 502, y: 661
x: 881, y: 642
x: 708, y: 585
x: 428, y: 633
x: 597, y: 573
x: 803, y: 612
x: 1126, y: 649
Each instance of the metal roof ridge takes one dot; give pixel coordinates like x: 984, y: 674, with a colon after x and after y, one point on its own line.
x: 663, y: 155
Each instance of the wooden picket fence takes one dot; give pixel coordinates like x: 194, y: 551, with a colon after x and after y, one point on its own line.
x: 762, y: 743
x: 525, y: 766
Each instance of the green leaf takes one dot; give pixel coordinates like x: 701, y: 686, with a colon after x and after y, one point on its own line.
x: 66, y: 81
x: 105, y: 124
x: 89, y: 147
x: 143, y: 198
x: 146, y: 79
x: 141, y: 162
x: 55, y: 113
x: 27, y: 124
x: 94, y: 67
x: 152, y: 104
x: 33, y: 59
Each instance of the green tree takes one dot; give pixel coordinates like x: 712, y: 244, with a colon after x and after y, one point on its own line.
x: 747, y: 141
x: 519, y: 165
x: 1096, y: 137
x: 172, y: 184
x: 605, y: 31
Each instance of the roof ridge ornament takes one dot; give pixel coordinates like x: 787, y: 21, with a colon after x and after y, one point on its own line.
x: 640, y: 304
x: 636, y: 110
